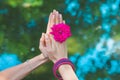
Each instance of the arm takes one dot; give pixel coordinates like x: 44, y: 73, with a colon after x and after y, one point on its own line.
x: 55, y: 51
x: 20, y: 71
x: 67, y: 69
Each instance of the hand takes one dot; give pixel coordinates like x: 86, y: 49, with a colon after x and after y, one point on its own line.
x: 54, y: 18
x: 50, y: 24
x: 49, y: 47
x: 55, y: 50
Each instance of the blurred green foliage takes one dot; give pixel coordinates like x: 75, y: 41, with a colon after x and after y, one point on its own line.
x: 17, y: 37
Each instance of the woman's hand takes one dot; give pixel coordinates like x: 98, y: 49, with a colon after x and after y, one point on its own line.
x: 49, y: 47
x: 55, y: 50
x: 42, y: 40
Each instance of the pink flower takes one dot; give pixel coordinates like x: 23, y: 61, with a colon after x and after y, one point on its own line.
x: 61, y: 32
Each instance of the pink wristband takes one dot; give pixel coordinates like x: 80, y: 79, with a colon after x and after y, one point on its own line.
x: 58, y: 64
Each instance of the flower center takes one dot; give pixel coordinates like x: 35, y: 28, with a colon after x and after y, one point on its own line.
x: 60, y: 32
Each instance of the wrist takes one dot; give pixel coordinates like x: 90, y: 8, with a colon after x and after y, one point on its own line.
x: 61, y: 65
x: 43, y: 56
x: 57, y: 59
x: 64, y: 67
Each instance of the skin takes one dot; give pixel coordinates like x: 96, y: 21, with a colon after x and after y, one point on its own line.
x: 20, y: 71
x: 55, y: 50
x: 50, y: 49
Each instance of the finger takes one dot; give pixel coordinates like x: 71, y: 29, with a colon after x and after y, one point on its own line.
x: 47, y: 40
x: 54, y: 11
x: 60, y: 18
x: 42, y: 41
x: 52, y: 40
x: 49, y: 23
x: 64, y: 21
x: 57, y: 17
x: 52, y: 20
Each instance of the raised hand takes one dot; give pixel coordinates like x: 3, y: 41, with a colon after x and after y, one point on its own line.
x: 49, y: 47
x: 54, y: 18
x: 54, y: 50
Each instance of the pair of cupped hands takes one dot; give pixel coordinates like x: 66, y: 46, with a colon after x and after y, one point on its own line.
x: 49, y: 47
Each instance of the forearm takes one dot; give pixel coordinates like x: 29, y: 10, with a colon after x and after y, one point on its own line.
x: 20, y: 71
x: 67, y: 69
